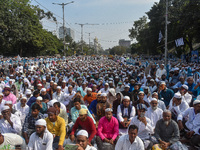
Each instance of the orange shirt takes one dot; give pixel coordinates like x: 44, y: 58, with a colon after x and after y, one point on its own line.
x: 90, y: 98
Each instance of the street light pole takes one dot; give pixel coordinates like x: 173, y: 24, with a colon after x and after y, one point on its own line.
x: 63, y: 7
x: 81, y: 24
x: 166, y: 22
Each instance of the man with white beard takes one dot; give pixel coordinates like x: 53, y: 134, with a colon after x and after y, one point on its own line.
x: 167, y: 132
x: 154, y: 113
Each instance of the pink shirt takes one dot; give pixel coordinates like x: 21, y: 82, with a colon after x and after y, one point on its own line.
x: 106, y: 129
x: 10, y: 97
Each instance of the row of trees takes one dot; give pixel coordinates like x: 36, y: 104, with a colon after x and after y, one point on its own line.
x: 21, y: 32
x: 184, y: 21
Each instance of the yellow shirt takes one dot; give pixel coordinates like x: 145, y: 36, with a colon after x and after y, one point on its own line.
x: 58, y: 129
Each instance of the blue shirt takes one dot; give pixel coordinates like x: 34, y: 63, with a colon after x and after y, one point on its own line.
x: 92, y: 107
x: 31, y: 101
x: 166, y: 95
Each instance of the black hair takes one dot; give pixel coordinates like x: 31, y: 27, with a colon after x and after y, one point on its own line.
x: 133, y: 127
x: 57, y: 104
x: 36, y: 92
x: 35, y: 106
x: 77, y: 100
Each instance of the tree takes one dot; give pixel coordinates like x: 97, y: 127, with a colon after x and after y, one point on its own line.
x: 21, y: 31
x: 117, y: 50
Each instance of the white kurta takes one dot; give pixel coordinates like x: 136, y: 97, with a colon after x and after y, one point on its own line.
x: 58, y: 97
x: 143, y: 130
x: 193, y: 123
x: 68, y: 97
x: 154, y: 115
x: 21, y: 111
x: 124, y: 143
x: 11, y: 140
x: 5, y: 127
x: 38, y: 143
x: 178, y: 109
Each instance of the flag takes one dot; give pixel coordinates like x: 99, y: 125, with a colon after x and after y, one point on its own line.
x: 160, y: 37
x: 179, y: 42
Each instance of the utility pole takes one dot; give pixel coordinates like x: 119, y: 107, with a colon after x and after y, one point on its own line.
x: 63, y: 7
x: 166, y: 23
x: 89, y: 37
x: 81, y: 24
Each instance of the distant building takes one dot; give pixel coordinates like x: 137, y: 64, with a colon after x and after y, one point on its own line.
x: 97, y: 45
x: 68, y: 31
x: 125, y: 43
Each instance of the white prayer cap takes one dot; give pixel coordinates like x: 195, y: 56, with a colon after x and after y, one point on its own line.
x: 36, y: 76
x: 177, y: 95
x: 5, y: 108
x: 108, y: 109
x: 58, y: 87
x: 41, y: 122
x: 141, y: 92
x: 83, y: 133
x: 39, y: 84
x: 196, y: 102
x: 162, y: 82
x: 148, y: 76
x: 103, y: 94
x: 106, y: 83
x: 127, y: 97
x: 55, y: 83
x: 24, y: 97
x: 1, y: 94
x: 8, y: 102
x: 89, y: 89
x: 63, y: 81
x: 127, y: 86
x: 110, y: 82
x: 52, y: 81
x: 43, y: 90
x: 176, y: 69
x: 154, y: 99
x: 28, y: 91
x: 152, y: 80
x: 39, y: 98
x: 185, y: 86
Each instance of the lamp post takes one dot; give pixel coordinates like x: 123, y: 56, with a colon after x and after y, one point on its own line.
x: 166, y: 23
x: 63, y: 7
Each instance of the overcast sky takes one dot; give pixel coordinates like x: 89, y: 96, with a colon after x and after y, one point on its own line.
x: 114, y: 17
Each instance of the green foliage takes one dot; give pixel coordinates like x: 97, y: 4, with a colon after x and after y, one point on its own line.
x: 21, y: 31
x: 117, y: 50
x: 184, y: 22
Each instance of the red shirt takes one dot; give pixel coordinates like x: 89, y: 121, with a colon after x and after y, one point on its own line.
x: 87, y: 125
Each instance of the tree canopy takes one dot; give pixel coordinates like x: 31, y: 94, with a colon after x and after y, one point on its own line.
x: 184, y: 21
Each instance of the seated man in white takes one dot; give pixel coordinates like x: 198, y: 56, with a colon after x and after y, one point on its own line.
x: 10, y: 123
x: 22, y: 109
x: 11, y: 141
x: 185, y: 95
x: 192, y: 126
x: 177, y: 105
x: 130, y: 141
x: 125, y: 113
x: 154, y: 113
x: 41, y: 139
x: 144, y: 126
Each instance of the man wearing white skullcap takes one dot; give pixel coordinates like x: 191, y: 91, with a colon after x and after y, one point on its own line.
x: 105, y: 89
x: 105, y: 134
x: 185, y: 95
x: 154, y: 113
x: 10, y: 123
x: 68, y: 95
x: 193, y: 123
x: 41, y: 139
x: 46, y: 97
x: 22, y: 109
x: 82, y: 140
x: 59, y: 95
x: 177, y: 105
x: 125, y: 113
